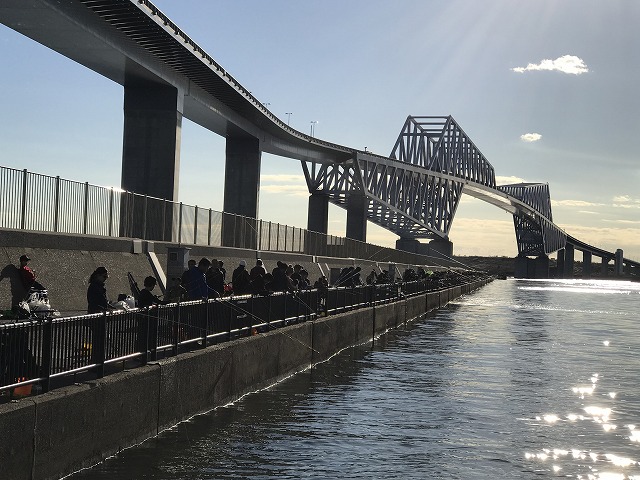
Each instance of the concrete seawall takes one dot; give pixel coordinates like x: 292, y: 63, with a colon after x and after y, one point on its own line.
x: 50, y: 435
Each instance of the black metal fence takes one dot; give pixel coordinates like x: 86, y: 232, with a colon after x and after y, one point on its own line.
x: 36, y: 352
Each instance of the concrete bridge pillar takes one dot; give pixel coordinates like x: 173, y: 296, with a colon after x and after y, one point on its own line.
x: 604, y: 267
x: 241, y: 189
x: 357, y: 206
x: 568, y: 261
x: 618, y: 269
x: 441, y: 248
x: 408, y: 245
x: 532, y: 267
x: 151, y: 141
x: 560, y: 263
x: 586, y: 264
x: 541, y: 267
x: 318, y: 213
x: 521, y: 268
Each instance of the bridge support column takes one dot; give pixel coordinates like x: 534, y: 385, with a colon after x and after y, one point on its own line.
x: 241, y: 189
x: 560, y: 263
x: 568, y: 260
x: 532, y: 267
x: 541, y: 267
x: 357, y: 206
x: 521, y: 268
x: 618, y: 269
x: 150, y: 159
x: 408, y: 245
x: 586, y: 264
x: 151, y: 142
x: 318, y: 213
x: 441, y: 248
x: 604, y: 267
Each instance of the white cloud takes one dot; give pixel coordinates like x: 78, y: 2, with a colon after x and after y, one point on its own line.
x: 574, y: 203
x: 290, y: 190
x: 508, y: 180
x: 566, y: 64
x: 530, y: 137
x: 624, y: 222
x: 626, y: 201
x: 288, y: 185
x: 626, y: 205
x: 622, y: 199
x: 282, y: 178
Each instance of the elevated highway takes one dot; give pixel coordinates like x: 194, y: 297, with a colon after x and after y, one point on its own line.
x: 166, y: 76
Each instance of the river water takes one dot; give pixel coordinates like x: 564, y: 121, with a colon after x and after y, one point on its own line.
x: 520, y: 379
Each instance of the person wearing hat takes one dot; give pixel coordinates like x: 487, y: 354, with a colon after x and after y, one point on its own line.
x: 28, y: 276
x: 240, y: 279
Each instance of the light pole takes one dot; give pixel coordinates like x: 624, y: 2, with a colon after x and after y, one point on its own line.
x: 313, y: 126
x: 288, y: 114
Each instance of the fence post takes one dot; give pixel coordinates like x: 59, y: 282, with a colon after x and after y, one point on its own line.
x: 180, y: 225
x: 206, y: 323
x: 24, y: 199
x: 99, y: 344
x: 145, y: 328
x: 176, y: 328
x: 209, y: 231
x: 286, y: 234
x: 195, y: 227
x: 56, y: 204
x: 300, y: 244
x: 164, y: 218
x: 86, y: 207
x: 144, y: 218
x: 111, y: 200
x: 45, y: 372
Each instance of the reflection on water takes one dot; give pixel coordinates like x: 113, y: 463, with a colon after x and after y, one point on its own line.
x: 522, y: 379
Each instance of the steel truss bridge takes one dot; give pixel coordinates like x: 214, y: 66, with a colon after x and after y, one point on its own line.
x: 414, y: 192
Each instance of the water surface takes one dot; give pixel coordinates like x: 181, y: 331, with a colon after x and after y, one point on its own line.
x: 520, y: 379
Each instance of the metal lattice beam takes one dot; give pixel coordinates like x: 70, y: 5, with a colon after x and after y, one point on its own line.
x: 536, y: 234
x: 440, y: 145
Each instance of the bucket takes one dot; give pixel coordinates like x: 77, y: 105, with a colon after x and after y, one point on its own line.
x: 23, y: 391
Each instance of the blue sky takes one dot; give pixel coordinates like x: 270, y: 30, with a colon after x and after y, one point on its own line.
x: 566, y: 70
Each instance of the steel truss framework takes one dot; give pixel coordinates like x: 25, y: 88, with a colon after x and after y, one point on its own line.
x: 536, y: 235
x: 416, y: 190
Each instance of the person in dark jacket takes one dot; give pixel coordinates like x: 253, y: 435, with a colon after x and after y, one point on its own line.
x: 197, y: 280
x: 215, y: 280
x: 258, y: 269
x: 240, y: 279
x: 97, y: 292
x: 146, y: 298
x: 97, y: 302
x: 147, y: 337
